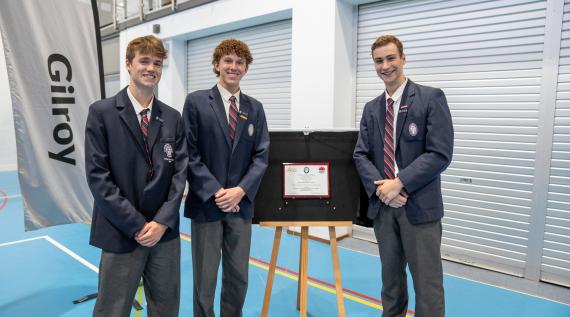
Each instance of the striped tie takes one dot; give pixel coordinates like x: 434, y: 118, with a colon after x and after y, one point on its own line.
x: 144, y: 122
x: 144, y: 130
x: 233, y: 117
x: 389, y: 167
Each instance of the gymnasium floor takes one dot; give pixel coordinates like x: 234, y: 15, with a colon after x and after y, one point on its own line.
x: 41, y: 272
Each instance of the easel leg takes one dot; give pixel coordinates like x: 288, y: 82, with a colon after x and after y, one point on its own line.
x: 271, y: 274
x: 304, y: 268
x: 336, y: 269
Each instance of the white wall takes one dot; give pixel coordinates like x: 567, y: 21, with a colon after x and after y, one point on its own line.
x: 323, y: 64
x: 8, y: 158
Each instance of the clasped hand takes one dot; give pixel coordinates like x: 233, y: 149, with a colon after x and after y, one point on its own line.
x: 150, y: 234
x: 390, y: 192
x: 228, y: 199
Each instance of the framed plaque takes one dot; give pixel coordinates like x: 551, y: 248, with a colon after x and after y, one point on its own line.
x: 306, y: 180
x: 346, y: 192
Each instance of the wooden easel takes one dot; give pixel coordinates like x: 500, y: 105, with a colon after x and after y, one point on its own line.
x: 304, y: 261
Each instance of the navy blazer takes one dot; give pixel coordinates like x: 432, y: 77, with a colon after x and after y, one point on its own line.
x: 117, y: 168
x: 215, y: 161
x: 424, y: 147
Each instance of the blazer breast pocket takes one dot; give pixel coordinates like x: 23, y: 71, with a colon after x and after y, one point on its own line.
x: 414, y: 130
x: 249, y: 132
x: 167, y: 148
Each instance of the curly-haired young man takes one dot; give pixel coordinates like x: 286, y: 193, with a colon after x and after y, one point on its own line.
x: 228, y: 144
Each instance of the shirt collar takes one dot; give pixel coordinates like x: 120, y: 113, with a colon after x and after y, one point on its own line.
x: 226, y: 94
x: 137, y: 106
x: 398, y: 93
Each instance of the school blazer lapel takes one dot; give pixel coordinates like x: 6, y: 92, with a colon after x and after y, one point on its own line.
x: 405, y: 105
x: 129, y: 118
x: 154, y: 125
x: 381, y: 115
x: 217, y: 105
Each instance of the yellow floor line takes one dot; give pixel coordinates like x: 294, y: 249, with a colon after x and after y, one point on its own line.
x: 321, y: 287
x: 138, y: 313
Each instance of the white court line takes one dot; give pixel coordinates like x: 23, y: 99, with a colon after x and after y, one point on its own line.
x: 60, y: 246
x: 21, y: 241
x: 12, y: 196
x: 72, y: 254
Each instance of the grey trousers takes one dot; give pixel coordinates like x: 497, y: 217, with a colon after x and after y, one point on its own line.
x: 230, y: 240
x: 418, y: 246
x: 120, y: 274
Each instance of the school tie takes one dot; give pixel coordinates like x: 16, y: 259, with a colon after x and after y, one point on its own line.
x: 144, y: 122
x: 233, y: 117
x: 389, y: 167
x: 144, y: 130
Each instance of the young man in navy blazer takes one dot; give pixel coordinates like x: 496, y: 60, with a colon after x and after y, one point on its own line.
x: 405, y: 143
x: 136, y: 160
x: 228, y: 144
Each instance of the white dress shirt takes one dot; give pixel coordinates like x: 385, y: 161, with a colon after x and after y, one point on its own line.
x: 226, y: 99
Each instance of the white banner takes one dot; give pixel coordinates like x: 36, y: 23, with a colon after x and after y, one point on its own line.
x: 53, y: 62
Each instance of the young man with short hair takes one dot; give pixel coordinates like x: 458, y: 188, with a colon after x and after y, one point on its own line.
x: 405, y: 143
x: 135, y: 161
x: 228, y: 144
